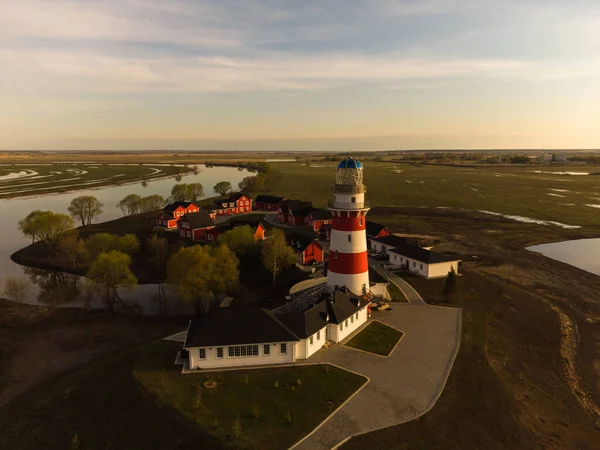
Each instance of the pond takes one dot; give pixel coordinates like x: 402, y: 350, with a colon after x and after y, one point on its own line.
x: 581, y: 253
x: 59, y: 289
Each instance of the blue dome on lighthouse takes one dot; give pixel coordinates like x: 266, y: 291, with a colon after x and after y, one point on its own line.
x: 350, y: 163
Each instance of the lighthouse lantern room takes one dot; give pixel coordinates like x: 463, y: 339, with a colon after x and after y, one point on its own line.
x: 348, y: 261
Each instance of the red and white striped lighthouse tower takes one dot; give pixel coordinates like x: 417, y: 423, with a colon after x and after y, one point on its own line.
x: 348, y: 261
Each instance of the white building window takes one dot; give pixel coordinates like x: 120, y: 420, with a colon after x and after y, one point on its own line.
x: 202, y: 353
x: 219, y: 352
x: 283, y: 349
x: 346, y: 323
x: 243, y: 351
x: 414, y: 264
x: 266, y: 350
x: 310, y: 340
x: 351, y: 319
x: 342, y: 326
x: 421, y: 266
x: 318, y: 335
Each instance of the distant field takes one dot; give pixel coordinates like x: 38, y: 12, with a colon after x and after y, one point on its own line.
x: 23, y: 180
x: 539, y: 192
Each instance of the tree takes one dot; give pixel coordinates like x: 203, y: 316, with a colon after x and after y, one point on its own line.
x: 29, y: 225
x: 130, y: 204
x: 194, y: 191
x: 450, y: 286
x: 45, y: 225
x: 158, y: 247
x: 276, y: 254
x: 222, y: 187
x: 179, y: 193
x: 200, y: 273
x: 101, y: 242
x: 150, y: 204
x: 16, y: 288
x: 72, y: 246
x: 111, y: 271
x: 128, y: 243
x: 85, y: 208
x: 104, y: 242
x: 240, y: 240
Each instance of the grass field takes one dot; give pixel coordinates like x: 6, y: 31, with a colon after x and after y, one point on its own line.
x: 515, y: 190
x: 24, y: 180
x: 396, y: 294
x: 376, y: 338
x: 138, y: 399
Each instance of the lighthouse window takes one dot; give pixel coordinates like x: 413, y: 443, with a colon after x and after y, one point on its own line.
x: 336, y: 253
x: 349, y: 238
x: 360, y: 221
x: 353, y: 199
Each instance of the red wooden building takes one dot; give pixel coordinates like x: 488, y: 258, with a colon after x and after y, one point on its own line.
x: 308, y: 250
x: 267, y: 202
x: 195, y: 225
x: 236, y: 203
x: 171, y: 213
x: 294, y: 212
x: 319, y: 217
x: 376, y: 230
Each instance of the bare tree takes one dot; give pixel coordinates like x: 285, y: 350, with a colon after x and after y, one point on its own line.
x: 16, y: 288
x: 85, y: 208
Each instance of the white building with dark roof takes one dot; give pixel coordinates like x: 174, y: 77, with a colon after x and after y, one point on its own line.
x: 242, y: 337
x: 421, y: 261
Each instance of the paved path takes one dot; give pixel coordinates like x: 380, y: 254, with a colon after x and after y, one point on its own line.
x: 403, y: 386
x: 409, y: 292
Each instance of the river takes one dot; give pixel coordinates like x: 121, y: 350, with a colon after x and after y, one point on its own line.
x: 54, y: 288
x: 581, y: 253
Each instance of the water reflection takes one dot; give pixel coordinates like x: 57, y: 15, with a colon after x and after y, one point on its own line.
x: 54, y: 288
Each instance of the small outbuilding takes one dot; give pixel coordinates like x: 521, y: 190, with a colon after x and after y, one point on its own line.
x: 319, y: 217
x: 195, y: 225
x: 267, y: 202
x: 422, y: 262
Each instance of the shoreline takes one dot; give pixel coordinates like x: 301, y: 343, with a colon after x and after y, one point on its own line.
x: 92, y: 188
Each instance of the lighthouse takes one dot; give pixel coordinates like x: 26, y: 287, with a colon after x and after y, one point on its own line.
x: 348, y: 261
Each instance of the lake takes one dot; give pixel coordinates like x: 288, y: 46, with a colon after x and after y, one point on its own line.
x: 57, y: 288
x: 581, y: 253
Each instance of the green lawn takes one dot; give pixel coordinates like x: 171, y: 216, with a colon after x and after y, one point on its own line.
x: 138, y: 399
x: 396, y: 294
x: 376, y: 338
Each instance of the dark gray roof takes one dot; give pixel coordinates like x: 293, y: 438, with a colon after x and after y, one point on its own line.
x: 173, y: 206
x: 235, y: 196
x: 236, y: 327
x: 200, y: 219
x: 268, y: 199
x: 320, y: 214
x: 332, y: 308
x: 296, y: 206
x: 342, y: 305
x: 422, y: 255
x: 307, y: 323
x: 299, y: 242
x: 396, y: 241
x: 373, y: 228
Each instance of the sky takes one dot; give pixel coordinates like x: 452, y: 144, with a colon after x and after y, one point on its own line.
x: 299, y: 74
